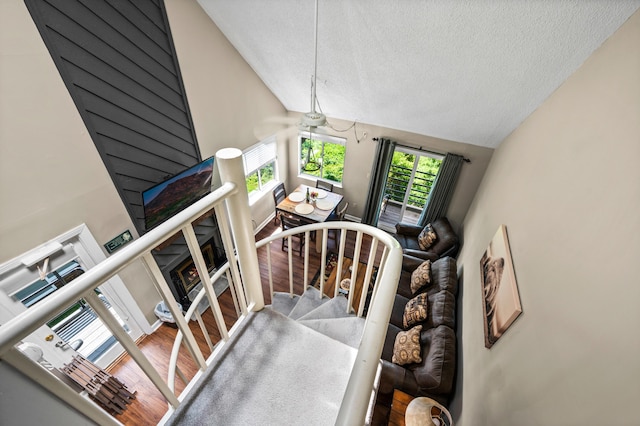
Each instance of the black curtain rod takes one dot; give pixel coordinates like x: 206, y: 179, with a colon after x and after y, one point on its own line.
x: 466, y: 160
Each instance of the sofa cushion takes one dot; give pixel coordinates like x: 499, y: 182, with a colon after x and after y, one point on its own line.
x: 415, y: 311
x: 421, y: 276
x: 407, y: 241
x: 427, y: 237
x: 406, y: 349
x: 435, y: 373
x: 441, y: 310
x: 446, y: 242
x: 444, y: 276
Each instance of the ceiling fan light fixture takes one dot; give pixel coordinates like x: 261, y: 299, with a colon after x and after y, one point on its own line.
x: 313, y: 119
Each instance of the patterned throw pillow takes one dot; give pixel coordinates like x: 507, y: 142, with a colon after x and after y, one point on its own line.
x: 421, y: 276
x: 415, y: 311
x: 406, y: 349
x: 427, y: 237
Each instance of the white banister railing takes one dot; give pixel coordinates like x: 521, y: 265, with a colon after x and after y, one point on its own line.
x: 361, y: 383
x: 357, y: 397
x: 25, y: 323
x: 229, y: 203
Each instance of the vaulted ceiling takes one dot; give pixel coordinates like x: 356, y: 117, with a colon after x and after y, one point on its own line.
x: 469, y: 71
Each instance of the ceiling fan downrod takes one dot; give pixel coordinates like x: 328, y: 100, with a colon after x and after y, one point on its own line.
x: 313, y: 118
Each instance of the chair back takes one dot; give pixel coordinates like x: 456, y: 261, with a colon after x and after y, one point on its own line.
x: 279, y: 193
x: 324, y: 185
x: 289, y: 222
x: 342, y: 211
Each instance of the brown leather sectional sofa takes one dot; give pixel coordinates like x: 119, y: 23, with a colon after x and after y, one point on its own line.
x: 434, y: 377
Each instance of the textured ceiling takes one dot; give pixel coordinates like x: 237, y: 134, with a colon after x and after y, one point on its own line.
x: 469, y: 71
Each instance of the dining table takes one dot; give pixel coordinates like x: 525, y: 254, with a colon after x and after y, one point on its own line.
x: 318, y: 209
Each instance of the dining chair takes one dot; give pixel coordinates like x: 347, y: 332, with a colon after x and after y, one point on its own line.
x: 279, y: 194
x: 339, y: 216
x: 289, y: 223
x: 327, y: 186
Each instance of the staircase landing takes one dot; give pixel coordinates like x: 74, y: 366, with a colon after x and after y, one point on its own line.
x: 273, y: 371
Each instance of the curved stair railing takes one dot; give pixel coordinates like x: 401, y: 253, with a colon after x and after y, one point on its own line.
x: 229, y: 203
x: 358, y: 394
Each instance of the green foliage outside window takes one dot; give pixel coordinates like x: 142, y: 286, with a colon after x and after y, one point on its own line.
x: 400, y: 172
x: 329, y: 157
x: 252, y: 182
x: 258, y: 179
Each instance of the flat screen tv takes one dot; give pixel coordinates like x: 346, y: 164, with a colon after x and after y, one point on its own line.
x: 169, y: 197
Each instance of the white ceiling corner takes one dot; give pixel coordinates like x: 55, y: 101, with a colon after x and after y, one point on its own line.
x: 468, y: 71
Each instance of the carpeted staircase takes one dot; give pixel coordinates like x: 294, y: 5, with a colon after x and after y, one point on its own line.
x: 286, y: 365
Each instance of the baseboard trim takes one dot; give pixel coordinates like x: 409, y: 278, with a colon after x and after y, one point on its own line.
x: 264, y: 223
x: 352, y: 218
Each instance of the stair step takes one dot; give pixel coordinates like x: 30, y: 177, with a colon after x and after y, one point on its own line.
x: 283, y: 302
x: 334, y: 308
x: 310, y: 300
x: 272, y: 371
x: 345, y: 330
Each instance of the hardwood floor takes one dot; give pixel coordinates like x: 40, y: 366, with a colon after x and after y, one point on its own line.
x: 391, y: 215
x: 150, y: 406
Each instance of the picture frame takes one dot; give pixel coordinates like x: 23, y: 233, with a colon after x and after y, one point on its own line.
x: 187, y: 272
x: 500, y: 296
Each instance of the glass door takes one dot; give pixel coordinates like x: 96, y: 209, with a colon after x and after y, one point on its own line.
x: 408, y: 184
x: 78, y: 327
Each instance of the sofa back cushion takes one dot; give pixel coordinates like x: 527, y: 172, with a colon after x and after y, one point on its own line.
x: 444, y: 276
x: 435, y: 373
x: 446, y: 237
x: 440, y: 310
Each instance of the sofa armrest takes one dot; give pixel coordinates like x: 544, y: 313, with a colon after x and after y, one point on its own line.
x: 451, y: 252
x: 394, y: 376
x: 420, y: 254
x: 411, y: 259
x: 408, y: 229
x: 410, y: 263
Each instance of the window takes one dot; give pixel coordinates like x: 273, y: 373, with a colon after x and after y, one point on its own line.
x: 260, y: 167
x: 322, y: 156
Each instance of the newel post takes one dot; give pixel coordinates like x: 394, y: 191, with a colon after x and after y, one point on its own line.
x: 231, y: 170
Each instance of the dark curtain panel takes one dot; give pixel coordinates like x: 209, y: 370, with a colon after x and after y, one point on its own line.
x: 379, y: 173
x: 440, y: 195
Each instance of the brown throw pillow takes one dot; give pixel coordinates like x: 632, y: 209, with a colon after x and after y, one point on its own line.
x: 406, y: 349
x: 427, y: 237
x: 415, y: 311
x: 421, y: 276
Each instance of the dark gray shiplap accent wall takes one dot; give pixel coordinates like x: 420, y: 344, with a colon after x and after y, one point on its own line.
x: 119, y: 64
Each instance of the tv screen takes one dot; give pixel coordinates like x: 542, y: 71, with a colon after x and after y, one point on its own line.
x: 167, y: 198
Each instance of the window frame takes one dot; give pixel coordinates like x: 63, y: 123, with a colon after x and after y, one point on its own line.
x: 255, y: 159
x: 324, y: 139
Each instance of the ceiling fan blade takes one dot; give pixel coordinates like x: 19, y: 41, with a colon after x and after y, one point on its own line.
x: 272, y: 125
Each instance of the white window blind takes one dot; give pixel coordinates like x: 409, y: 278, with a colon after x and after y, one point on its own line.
x: 258, y: 155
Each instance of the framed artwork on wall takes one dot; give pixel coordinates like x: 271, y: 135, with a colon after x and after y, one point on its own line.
x: 500, y: 296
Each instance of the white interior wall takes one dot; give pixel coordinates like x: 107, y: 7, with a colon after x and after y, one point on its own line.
x: 24, y: 402
x: 566, y: 184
